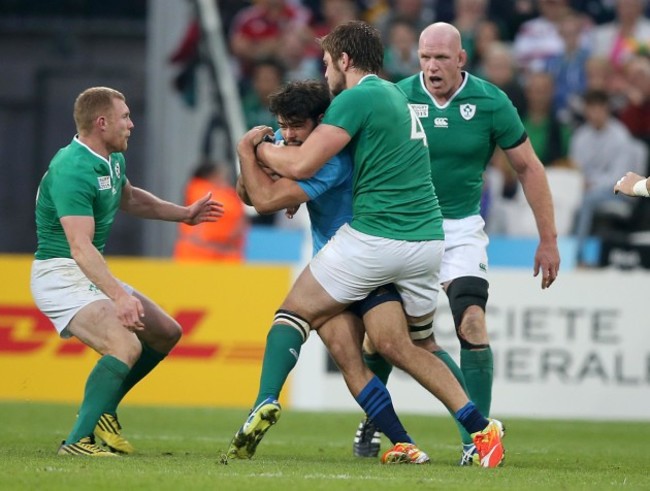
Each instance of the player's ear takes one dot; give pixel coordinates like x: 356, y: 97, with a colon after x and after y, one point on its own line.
x: 462, y: 58
x: 101, y: 122
x: 320, y: 118
x: 345, y: 61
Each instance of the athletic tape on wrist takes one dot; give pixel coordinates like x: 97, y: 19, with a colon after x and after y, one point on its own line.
x: 641, y: 188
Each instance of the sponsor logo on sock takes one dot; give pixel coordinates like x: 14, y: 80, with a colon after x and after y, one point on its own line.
x: 294, y: 353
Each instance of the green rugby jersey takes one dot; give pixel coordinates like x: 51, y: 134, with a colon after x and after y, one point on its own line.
x: 393, y: 195
x: 78, y: 182
x: 462, y: 136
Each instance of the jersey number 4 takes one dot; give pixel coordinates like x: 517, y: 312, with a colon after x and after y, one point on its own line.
x: 417, y: 130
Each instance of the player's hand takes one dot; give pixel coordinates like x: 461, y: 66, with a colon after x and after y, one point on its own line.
x: 130, y: 312
x: 255, y: 135
x: 547, y: 260
x: 291, y: 211
x: 204, y: 210
x: 626, y: 184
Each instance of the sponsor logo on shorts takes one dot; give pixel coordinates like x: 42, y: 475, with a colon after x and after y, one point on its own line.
x: 482, y: 267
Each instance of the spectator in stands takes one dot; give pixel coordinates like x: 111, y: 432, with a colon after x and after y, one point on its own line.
x: 600, y: 11
x: 267, y: 77
x: 598, y: 74
x: 598, y: 77
x: 602, y: 149
x: 467, y: 16
x: 418, y: 12
x: 299, y: 56
x: 511, y: 14
x: 499, y: 67
x: 224, y: 240
x: 257, y: 30
x: 549, y: 137
x: 539, y: 38
x: 635, y: 113
x: 487, y: 33
x: 401, y: 53
x: 334, y: 12
x: 627, y: 35
x: 568, y: 69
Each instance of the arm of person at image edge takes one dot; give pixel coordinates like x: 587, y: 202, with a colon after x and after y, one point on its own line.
x: 299, y: 162
x: 256, y: 188
x: 532, y: 176
x: 632, y: 184
x: 80, y: 230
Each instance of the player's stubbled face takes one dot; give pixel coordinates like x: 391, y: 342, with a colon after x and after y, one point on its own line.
x: 118, y: 127
x: 333, y: 75
x: 441, y: 68
x: 295, y: 132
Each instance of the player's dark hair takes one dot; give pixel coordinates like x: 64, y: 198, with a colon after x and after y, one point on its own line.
x: 298, y: 101
x: 362, y: 43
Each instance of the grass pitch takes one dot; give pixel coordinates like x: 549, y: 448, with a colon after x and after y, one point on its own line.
x: 181, y: 449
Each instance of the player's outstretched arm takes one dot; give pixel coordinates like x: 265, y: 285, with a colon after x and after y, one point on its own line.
x: 143, y: 204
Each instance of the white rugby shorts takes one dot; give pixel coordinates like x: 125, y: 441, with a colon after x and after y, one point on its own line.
x: 60, y: 290
x: 352, y: 264
x: 465, y: 249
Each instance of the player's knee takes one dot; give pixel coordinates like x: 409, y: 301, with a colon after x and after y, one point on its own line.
x: 166, y: 336
x: 389, y: 351
x: 468, y: 298
x: 173, y: 333
x: 472, y: 327
x: 292, y: 319
x: 346, y: 356
x: 394, y: 349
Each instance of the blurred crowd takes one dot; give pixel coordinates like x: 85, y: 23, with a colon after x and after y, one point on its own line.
x: 577, y: 71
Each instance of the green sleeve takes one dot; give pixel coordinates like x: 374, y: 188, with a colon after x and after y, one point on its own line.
x: 507, y: 127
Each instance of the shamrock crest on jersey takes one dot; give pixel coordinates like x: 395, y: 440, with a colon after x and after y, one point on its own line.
x: 467, y: 111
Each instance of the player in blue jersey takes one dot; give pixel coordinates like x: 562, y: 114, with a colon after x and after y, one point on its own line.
x: 299, y: 106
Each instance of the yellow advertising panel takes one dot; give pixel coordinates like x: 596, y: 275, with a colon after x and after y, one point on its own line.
x: 225, y: 310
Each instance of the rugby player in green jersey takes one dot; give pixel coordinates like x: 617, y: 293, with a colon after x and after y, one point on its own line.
x: 84, y: 187
x: 465, y: 118
x: 395, y: 235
